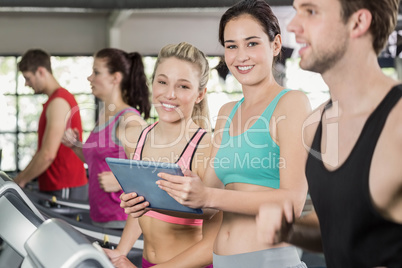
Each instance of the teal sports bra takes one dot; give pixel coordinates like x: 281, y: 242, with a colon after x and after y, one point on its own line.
x: 251, y: 157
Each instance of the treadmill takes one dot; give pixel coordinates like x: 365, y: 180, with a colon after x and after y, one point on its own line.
x: 31, y: 241
x: 56, y: 244
x: 19, y: 220
x: 76, y: 213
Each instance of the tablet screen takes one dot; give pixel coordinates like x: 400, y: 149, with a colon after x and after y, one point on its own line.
x: 141, y: 176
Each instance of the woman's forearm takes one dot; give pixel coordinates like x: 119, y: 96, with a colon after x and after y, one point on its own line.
x: 247, y: 202
x: 78, y: 152
x: 130, y: 234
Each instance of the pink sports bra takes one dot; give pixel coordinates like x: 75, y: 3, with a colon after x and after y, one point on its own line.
x: 185, y: 160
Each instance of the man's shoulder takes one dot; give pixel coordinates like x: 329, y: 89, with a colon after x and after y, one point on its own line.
x: 61, y: 91
x: 67, y: 96
x: 61, y: 101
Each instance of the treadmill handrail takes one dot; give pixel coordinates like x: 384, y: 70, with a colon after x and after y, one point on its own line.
x: 6, y: 183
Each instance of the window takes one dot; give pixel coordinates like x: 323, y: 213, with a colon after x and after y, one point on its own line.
x: 20, y: 108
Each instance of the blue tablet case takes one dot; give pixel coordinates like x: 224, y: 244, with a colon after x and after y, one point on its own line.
x: 140, y: 177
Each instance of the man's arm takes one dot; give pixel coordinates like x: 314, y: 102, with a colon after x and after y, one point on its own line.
x: 305, y: 233
x: 277, y: 224
x: 56, y: 114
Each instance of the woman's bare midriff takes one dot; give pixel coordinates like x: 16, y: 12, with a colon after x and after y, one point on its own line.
x: 163, y: 240
x: 238, y: 232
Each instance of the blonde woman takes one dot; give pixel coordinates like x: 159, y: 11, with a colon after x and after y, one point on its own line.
x: 179, y: 96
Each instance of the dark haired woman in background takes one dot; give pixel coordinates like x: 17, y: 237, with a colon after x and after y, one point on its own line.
x: 119, y: 81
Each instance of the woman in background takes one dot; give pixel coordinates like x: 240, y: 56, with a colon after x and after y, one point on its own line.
x: 119, y: 81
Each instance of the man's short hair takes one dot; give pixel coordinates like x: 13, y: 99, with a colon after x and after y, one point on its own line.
x: 34, y: 58
x: 384, y: 17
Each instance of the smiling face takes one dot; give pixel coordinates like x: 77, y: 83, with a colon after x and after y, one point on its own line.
x: 175, y: 89
x: 102, y: 82
x: 319, y: 29
x: 248, y: 52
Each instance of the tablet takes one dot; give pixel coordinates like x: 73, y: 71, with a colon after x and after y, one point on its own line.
x: 140, y: 177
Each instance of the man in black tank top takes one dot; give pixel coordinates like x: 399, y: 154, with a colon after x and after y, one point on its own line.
x: 354, y: 168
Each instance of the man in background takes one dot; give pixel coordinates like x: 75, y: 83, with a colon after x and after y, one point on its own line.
x: 59, y: 171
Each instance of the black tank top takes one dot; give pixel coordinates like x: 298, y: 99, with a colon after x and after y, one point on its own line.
x: 353, y: 233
